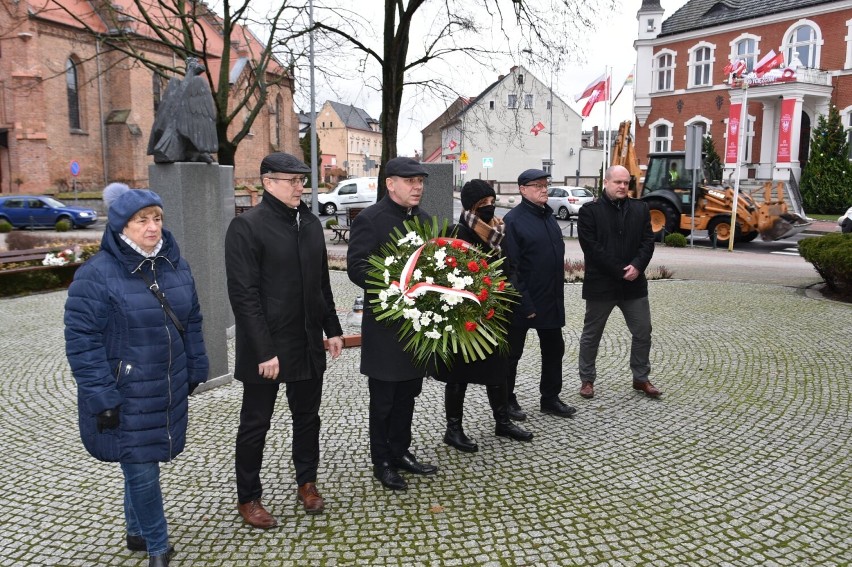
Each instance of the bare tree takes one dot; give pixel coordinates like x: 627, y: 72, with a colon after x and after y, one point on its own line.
x: 480, y: 30
x: 142, y: 30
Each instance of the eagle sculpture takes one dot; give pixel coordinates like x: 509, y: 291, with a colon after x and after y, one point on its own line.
x: 184, y: 126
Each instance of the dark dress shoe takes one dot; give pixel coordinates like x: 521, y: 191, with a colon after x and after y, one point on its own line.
x: 512, y: 431
x: 389, y: 477
x: 515, y: 411
x: 310, y: 498
x: 648, y: 388
x: 255, y: 515
x: 137, y: 543
x: 554, y: 406
x: 587, y: 390
x: 407, y: 462
x: 158, y: 560
x: 455, y: 437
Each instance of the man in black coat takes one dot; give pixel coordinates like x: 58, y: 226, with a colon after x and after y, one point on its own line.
x: 618, y: 243
x: 280, y: 292
x: 393, y: 379
x: 536, y: 251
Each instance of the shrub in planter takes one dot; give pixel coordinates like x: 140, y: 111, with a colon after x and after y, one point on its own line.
x: 331, y: 222
x: 5, y: 226
x: 831, y: 256
x: 63, y: 225
x: 675, y: 240
x: 38, y: 279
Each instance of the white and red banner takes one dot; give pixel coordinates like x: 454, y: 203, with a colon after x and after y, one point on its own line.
x: 736, y: 67
x: 598, y: 90
x: 785, y: 130
x: 537, y: 128
x: 732, y: 144
x: 768, y: 62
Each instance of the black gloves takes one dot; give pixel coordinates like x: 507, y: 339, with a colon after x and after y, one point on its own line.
x: 192, y: 388
x: 108, y: 419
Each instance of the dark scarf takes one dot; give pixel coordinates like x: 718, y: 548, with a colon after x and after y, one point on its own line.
x: 491, y: 233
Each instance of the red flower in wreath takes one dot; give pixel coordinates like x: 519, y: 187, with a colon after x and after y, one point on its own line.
x: 486, y: 280
x: 458, y: 245
x: 501, y: 286
x: 483, y: 295
x: 470, y: 326
x: 473, y: 266
x: 442, y: 242
x: 490, y: 313
x: 484, y: 264
x: 451, y: 262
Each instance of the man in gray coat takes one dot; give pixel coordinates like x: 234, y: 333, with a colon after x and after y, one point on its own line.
x: 393, y: 379
x: 280, y: 292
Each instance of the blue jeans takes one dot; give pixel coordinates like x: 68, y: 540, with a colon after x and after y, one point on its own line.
x: 143, y: 505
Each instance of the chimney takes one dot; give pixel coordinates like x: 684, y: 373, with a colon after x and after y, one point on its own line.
x: 595, y: 137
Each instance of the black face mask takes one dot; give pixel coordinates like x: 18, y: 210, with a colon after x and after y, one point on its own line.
x: 486, y: 213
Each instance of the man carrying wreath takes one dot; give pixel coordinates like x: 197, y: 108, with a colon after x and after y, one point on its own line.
x: 392, y: 376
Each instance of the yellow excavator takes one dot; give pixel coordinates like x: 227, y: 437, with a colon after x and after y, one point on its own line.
x: 770, y: 209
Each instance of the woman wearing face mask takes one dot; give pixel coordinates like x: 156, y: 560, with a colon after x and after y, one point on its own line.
x: 478, y: 226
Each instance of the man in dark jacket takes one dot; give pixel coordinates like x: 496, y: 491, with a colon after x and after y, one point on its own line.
x: 392, y: 376
x: 280, y: 292
x: 617, y: 240
x: 536, y: 251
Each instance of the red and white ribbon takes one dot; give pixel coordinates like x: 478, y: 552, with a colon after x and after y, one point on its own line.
x: 423, y: 287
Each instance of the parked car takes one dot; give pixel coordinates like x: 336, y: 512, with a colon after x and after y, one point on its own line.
x: 355, y: 192
x: 845, y: 222
x: 566, y: 200
x: 40, y: 210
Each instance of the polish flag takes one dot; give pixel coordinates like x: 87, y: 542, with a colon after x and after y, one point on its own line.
x: 736, y: 67
x: 537, y: 128
x: 768, y: 62
x: 599, y: 84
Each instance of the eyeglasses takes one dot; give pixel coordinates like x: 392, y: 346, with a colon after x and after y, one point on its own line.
x: 536, y: 185
x: 301, y: 180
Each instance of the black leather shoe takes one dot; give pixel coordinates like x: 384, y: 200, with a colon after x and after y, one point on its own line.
x: 408, y: 463
x: 554, y: 406
x: 389, y: 477
x: 137, y: 543
x: 515, y: 411
x: 455, y: 437
x: 512, y: 431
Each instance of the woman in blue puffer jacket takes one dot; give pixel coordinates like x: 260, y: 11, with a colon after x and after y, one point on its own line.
x: 135, y: 358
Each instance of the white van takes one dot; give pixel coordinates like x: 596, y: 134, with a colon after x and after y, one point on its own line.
x: 355, y: 192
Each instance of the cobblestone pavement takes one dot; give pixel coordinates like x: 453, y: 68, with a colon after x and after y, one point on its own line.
x: 744, y: 460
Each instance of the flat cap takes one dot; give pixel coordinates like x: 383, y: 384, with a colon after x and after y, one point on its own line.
x: 279, y: 162
x: 531, y: 175
x: 405, y: 167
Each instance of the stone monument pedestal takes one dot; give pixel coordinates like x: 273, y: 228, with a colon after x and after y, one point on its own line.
x: 199, y: 203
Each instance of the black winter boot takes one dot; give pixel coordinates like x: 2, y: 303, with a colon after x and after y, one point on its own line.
x: 498, y: 398
x: 454, y: 406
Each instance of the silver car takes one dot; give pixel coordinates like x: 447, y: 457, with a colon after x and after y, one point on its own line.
x: 566, y: 200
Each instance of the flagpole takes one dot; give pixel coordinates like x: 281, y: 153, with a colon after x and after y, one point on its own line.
x: 607, y: 117
x: 740, y: 152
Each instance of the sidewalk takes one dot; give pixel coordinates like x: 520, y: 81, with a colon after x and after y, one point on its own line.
x: 744, y: 460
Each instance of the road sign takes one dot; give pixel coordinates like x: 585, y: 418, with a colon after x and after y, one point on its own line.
x: 462, y: 167
x: 75, y: 168
x: 463, y: 157
x: 487, y: 162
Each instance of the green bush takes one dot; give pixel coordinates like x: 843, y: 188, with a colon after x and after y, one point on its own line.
x: 831, y: 256
x: 63, y: 225
x: 331, y: 222
x: 675, y: 240
x: 38, y: 279
x: 5, y: 226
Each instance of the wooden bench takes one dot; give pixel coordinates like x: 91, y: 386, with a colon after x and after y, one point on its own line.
x: 351, y: 213
x: 14, y: 256
x: 341, y: 233
x: 240, y: 209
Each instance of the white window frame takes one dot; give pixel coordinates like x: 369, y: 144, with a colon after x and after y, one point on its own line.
x: 529, y: 101
x: 846, y: 120
x: 815, y: 44
x: 848, y: 38
x: 750, y: 58
x: 699, y: 118
x: 669, y: 70
x: 666, y: 142
x: 512, y: 100
x: 706, y: 64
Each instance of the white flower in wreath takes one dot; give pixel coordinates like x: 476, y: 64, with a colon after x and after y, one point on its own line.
x: 440, y: 257
x: 429, y: 279
x: 449, y: 329
x: 408, y: 300
x: 417, y: 274
x: 386, y: 276
x: 433, y: 334
x: 425, y: 319
x: 389, y: 260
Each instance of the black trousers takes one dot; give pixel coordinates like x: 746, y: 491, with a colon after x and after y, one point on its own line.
x: 391, y: 413
x: 304, y: 398
x: 552, y: 351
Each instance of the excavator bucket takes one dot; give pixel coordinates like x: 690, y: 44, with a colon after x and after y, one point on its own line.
x: 785, y: 226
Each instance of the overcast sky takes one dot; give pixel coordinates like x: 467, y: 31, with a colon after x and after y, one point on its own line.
x: 612, y: 46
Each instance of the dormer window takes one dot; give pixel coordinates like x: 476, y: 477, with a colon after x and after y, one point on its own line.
x: 651, y: 25
x: 520, y: 79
